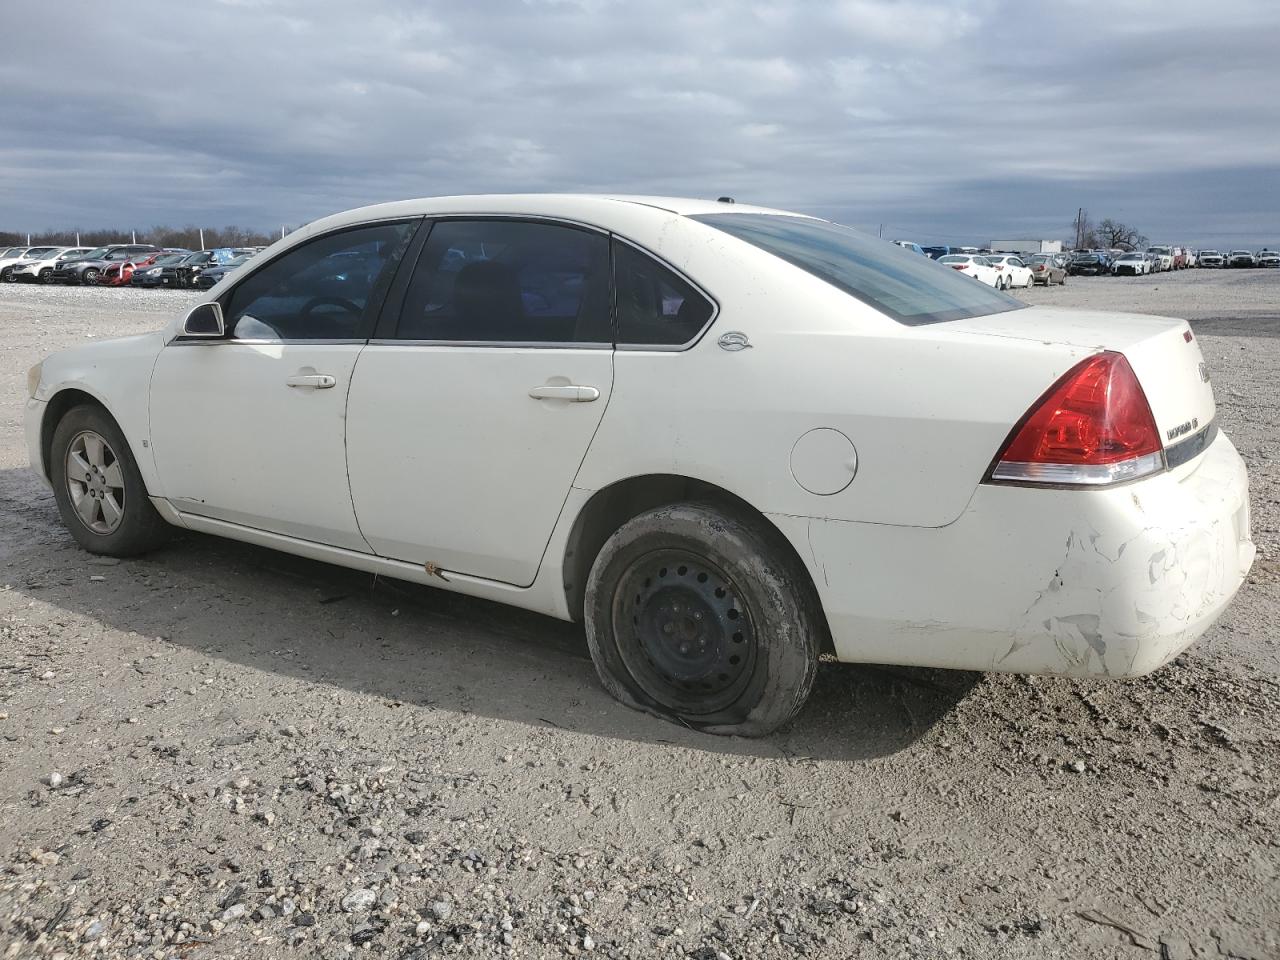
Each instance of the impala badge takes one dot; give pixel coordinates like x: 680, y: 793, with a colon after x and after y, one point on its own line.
x: 733, y: 341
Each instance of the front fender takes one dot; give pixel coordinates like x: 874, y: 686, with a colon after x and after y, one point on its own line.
x: 115, y: 374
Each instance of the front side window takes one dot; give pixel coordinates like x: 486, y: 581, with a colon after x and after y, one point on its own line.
x: 904, y: 287
x: 508, y: 281
x: 656, y: 306
x: 322, y: 290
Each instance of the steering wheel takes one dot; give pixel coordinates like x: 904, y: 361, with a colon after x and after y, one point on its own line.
x: 308, y: 307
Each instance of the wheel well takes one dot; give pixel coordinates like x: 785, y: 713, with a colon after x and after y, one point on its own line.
x: 59, y: 404
x: 610, y: 508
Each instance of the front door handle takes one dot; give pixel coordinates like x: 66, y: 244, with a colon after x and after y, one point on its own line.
x: 571, y: 391
x: 317, y: 381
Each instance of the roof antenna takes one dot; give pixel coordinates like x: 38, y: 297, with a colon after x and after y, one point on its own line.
x: 724, y: 199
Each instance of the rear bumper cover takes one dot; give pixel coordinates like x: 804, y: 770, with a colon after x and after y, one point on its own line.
x: 1112, y: 582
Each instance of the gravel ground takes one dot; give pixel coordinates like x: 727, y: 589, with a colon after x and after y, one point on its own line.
x: 219, y: 751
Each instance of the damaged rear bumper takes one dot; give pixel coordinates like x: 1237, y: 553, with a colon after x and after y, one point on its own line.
x: 1112, y: 582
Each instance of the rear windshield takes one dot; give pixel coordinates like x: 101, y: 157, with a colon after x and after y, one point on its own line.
x: 898, y: 282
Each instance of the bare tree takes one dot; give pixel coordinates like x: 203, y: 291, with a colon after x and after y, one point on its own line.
x: 1113, y: 233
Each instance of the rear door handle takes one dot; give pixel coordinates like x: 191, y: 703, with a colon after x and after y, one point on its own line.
x: 317, y: 381
x: 572, y: 391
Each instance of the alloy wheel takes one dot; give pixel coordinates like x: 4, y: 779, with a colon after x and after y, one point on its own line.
x: 95, y: 482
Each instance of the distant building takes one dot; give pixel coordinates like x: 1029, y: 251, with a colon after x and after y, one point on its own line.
x: 1026, y: 246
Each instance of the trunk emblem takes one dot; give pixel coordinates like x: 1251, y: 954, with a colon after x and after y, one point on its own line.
x: 1183, y: 428
x: 734, y: 341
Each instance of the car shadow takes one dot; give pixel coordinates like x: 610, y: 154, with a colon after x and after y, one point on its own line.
x: 403, y: 642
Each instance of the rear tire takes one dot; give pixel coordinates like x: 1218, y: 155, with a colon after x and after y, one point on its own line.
x: 701, y: 615
x: 100, y: 493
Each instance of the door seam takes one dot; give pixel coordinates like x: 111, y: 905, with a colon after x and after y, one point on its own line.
x: 346, y: 453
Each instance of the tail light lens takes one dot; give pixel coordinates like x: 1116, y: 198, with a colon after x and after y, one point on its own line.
x: 1093, y: 427
x: 958, y: 266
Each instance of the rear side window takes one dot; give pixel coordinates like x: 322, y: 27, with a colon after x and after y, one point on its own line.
x: 903, y: 286
x: 509, y: 281
x: 656, y: 306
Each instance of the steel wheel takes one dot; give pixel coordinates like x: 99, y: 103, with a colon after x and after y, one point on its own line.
x: 95, y: 482
x: 684, y: 632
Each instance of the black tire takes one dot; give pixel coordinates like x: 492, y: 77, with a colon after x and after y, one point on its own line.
x: 6, y: 274
x: 703, y: 616
x: 140, y: 528
x: 1063, y: 281
x: 46, y: 275
x: 90, y: 277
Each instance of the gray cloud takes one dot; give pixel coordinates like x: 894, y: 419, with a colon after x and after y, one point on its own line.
x: 941, y: 120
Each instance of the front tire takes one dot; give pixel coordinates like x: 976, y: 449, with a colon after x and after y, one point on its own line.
x: 100, y: 493
x: 90, y: 277
x: 702, y: 616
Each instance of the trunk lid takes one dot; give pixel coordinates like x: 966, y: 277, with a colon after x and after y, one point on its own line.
x: 1163, y: 352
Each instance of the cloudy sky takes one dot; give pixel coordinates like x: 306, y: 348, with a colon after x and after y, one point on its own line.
x: 945, y: 121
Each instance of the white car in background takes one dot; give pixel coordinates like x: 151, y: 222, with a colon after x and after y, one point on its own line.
x: 1013, y: 269
x: 724, y: 437
x: 41, y: 269
x: 1161, y: 259
x: 1135, y: 263
x: 978, y: 267
x: 15, y: 257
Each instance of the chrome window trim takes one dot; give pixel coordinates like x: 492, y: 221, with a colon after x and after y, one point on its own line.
x: 230, y: 341
x: 521, y: 344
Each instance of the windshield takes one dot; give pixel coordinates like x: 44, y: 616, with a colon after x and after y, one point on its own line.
x: 97, y: 253
x: 35, y: 253
x: 1133, y: 256
x: 169, y: 258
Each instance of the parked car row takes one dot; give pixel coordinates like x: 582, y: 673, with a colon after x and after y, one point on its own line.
x: 1049, y: 268
x: 121, y: 264
x: 1240, y: 258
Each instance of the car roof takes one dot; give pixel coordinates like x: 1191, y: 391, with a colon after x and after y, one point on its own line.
x: 586, y: 207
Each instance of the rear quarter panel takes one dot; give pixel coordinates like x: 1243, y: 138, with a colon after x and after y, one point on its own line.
x: 925, y: 409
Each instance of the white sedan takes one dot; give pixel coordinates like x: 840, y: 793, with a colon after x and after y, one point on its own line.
x: 1013, y: 271
x: 724, y: 437
x: 978, y: 267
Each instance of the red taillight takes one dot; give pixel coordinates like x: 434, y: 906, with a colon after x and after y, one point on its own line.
x: 1093, y: 427
x: 999, y: 266
x: 958, y: 266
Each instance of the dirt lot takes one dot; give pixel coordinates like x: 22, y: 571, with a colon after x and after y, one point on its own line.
x: 219, y: 751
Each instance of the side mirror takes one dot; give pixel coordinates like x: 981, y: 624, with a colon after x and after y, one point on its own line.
x: 204, y: 320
